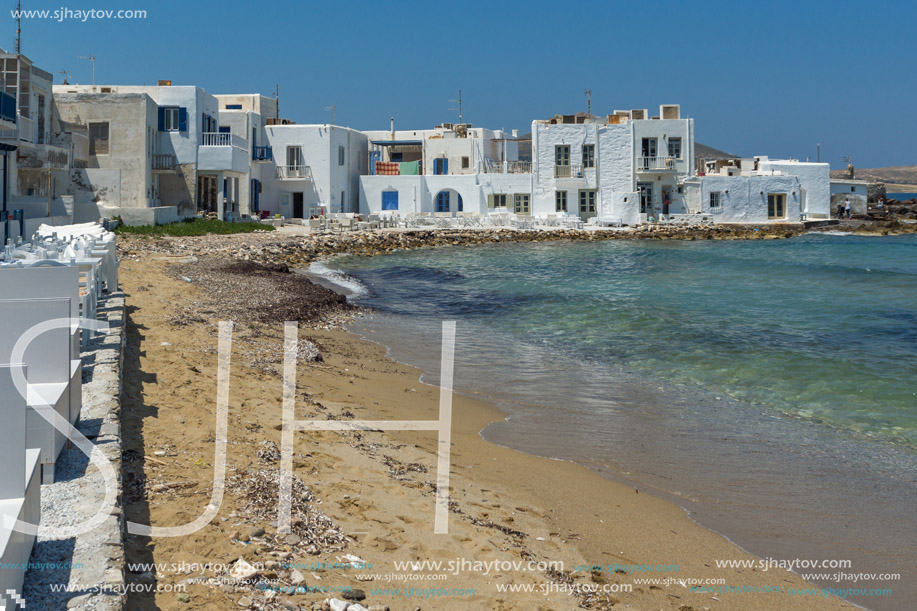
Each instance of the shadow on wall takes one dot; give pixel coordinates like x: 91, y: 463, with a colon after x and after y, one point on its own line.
x: 177, y: 189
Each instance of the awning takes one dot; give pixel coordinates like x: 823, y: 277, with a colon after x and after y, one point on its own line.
x: 397, y: 142
x: 7, y: 147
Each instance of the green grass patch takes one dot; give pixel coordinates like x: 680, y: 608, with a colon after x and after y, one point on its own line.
x: 193, y: 227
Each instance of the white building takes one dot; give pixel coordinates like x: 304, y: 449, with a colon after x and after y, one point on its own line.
x: 760, y: 190
x: 848, y: 189
x: 164, y: 148
x: 450, y: 168
x: 36, y: 172
x: 316, y: 169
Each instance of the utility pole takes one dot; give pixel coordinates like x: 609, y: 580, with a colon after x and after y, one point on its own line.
x: 589, y: 102
x: 819, y: 152
x: 92, y: 59
x: 331, y: 108
x: 277, y: 97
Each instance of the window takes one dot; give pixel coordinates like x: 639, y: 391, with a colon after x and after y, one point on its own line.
x: 587, y: 202
x: 560, y: 201
x: 588, y: 155
x: 340, y: 155
x: 715, y: 199
x: 675, y: 148
x: 233, y: 107
x: 562, y: 154
x: 170, y: 118
x: 294, y: 156
x: 776, y: 205
x: 98, y: 139
x: 649, y: 147
x: 466, y: 163
x: 496, y: 200
x: 853, y: 189
x: 521, y: 203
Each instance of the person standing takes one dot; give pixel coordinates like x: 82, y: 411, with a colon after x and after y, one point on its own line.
x: 666, y: 201
x: 847, y: 206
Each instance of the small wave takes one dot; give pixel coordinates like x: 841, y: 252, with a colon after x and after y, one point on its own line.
x: 353, y: 286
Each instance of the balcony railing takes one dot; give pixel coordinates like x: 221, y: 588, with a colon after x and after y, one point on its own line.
x: 656, y: 163
x: 26, y: 127
x: 294, y: 172
x: 223, y: 139
x: 262, y: 153
x: 164, y: 162
x: 7, y: 107
x: 568, y: 171
x: 495, y: 166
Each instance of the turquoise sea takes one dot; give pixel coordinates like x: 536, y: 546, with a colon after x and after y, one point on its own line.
x: 766, y: 386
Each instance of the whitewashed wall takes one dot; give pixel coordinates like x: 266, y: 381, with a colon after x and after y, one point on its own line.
x: 744, y: 198
x: 814, y: 182
x: 856, y: 191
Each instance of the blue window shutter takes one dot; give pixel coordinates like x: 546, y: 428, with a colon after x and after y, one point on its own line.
x: 445, y: 166
x: 162, y: 119
x: 182, y: 119
x: 461, y: 204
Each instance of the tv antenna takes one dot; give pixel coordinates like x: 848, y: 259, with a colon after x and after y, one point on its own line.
x: 331, y: 108
x: 18, y: 27
x: 66, y: 74
x: 847, y: 158
x: 589, y: 102
x: 92, y: 59
x: 459, y: 102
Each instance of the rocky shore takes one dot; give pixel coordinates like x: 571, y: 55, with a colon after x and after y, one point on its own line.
x: 301, y: 249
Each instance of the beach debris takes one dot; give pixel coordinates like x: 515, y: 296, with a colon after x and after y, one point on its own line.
x: 268, y: 452
x: 257, y: 493
x: 354, y: 594
x: 242, y: 570
x: 335, y: 604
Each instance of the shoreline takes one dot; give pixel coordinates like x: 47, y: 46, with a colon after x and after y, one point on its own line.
x: 571, y: 478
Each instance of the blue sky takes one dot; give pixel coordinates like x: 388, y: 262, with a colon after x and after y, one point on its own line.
x: 772, y: 78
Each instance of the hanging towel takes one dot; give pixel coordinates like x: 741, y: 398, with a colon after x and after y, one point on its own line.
x: 410, y: 168
x: 387, y: 168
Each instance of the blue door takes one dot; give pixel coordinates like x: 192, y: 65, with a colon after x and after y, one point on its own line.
x: 440, y: 166
x: 461, y: 205
x: 442, y: 201
x: 390, y: 200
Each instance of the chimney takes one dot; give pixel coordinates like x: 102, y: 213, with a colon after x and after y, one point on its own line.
x: 164, y: 83
x: 393, y: 128
x: 515, y: 133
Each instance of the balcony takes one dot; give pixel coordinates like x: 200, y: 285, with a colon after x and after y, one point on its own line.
x: 294, y: 172
x: 494, y: 166
x: 165, y: 163
x: 223, y: 152
x: 262, y: 153
x: 656, y: 164
x: 568, y: 171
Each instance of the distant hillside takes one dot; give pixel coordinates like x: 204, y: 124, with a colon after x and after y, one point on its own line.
x: 896, y: 176
x: 702, y: 151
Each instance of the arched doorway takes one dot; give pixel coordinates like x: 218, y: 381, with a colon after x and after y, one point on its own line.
x: 448, y: 200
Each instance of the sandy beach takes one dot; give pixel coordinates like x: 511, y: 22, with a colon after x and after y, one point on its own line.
x: 367, y: 498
